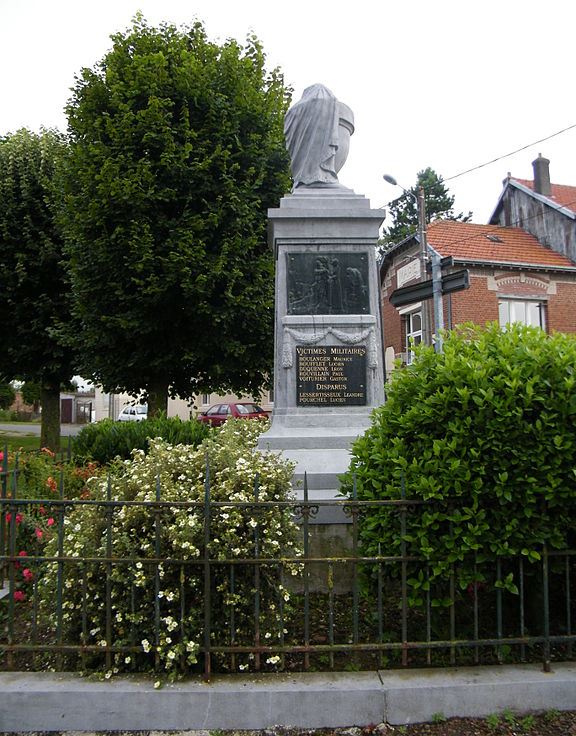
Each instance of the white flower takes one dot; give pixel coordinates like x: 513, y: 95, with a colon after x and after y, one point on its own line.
x: 139, y: 565
x: 242, y: 666
x: 102, y: 643
x: 127, y: 660
x: 145, y: 645
x: 273, y: 660
x: 171, y: 655
x: 157, y: 684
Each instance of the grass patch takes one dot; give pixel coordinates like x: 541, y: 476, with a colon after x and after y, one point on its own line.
x: 25, y: 442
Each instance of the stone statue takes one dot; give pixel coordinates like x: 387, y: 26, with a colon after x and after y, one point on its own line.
x: 317, y: 130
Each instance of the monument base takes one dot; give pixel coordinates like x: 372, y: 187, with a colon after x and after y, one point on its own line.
x: 319, y: 445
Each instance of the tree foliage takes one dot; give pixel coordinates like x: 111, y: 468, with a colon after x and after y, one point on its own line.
x: 7, y: 394
x: 176, y: 154
x: 404, y: 209
x: 485, y: 434
x: 34, y: 291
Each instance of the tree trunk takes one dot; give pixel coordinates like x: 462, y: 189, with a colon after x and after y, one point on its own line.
x: 50, y: 424
x: 157, y: 398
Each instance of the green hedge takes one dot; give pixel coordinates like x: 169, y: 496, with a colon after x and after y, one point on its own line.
x: 485, y: 432
x: 107, y: 439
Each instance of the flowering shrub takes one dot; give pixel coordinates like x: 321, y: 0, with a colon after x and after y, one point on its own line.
x: 30, y: 526
x: 153, y: 611
x: 41, y: 475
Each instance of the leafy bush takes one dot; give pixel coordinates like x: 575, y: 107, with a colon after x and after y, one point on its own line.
x: 107, y: 439
x: 485, y: 433
x: 136, y: 584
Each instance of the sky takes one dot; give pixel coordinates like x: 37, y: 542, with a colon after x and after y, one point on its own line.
x: 451, y: 84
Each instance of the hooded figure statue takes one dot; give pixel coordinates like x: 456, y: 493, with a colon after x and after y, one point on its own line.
x: 317, y: 129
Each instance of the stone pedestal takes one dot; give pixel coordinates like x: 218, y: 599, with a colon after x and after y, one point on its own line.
x: 328, y: 368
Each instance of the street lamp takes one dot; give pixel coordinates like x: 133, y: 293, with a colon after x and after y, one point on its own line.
x: 425, y: 253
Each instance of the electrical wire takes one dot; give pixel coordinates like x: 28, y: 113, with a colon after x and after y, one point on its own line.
x: 507, y: 155
x: 519, y: 223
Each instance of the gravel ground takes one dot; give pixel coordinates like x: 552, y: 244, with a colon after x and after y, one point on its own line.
x: 506, y: 724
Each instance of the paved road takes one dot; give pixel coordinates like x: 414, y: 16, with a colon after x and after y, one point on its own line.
x: 34, y: 428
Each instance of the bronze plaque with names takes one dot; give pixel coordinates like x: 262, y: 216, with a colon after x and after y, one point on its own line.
x: 331, y: 375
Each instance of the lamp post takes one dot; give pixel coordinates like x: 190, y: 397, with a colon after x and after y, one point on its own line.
x: 425, y: 253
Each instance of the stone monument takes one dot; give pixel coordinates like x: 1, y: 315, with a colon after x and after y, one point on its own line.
x: 328, y: 365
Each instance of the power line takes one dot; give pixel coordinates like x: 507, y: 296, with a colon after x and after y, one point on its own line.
x: 506, y: 155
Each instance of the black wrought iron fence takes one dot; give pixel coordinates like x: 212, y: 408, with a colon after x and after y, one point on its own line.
x: 88, y: 584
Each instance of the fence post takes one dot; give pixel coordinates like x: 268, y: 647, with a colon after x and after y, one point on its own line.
x: 3, y: 488
x: 207, y: 581
x: 256, y: 577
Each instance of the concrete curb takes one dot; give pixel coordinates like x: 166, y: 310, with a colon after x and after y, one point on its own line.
x: 67, y: 702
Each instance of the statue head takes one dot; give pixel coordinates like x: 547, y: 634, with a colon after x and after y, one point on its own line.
x: 318, y: 129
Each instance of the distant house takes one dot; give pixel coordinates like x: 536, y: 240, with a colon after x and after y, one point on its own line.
x: 513, y: 278
x: 522, y: 266
x: 546, y: 210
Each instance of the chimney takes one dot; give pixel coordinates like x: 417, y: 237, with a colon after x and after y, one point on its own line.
x: 542, y: 176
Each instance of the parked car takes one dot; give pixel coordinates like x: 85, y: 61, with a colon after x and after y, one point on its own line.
x: 219, y: 413
x: 133, y: 413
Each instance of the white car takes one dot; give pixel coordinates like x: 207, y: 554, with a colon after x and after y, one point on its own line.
x: 133, y: 413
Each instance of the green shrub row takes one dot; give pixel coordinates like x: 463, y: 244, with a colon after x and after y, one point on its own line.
x: 105, y: 440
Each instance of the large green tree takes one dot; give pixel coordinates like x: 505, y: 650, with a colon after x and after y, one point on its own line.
x: 177, y: 151
x: 33, y: 289
x: 403, y: 211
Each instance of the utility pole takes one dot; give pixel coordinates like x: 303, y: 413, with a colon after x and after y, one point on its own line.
x: 423, y: 237
x: 425, y: 253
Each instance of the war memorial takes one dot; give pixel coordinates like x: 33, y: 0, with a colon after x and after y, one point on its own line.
x: 328, y: 360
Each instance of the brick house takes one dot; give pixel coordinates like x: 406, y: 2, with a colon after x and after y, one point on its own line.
x: 513, y: 277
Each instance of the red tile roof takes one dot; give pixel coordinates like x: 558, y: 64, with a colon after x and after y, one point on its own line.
x: 468, y: 241
x: 562, y: 194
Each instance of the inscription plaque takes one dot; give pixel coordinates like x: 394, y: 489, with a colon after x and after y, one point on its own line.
x: 331, y: 375
x: 327, y: 283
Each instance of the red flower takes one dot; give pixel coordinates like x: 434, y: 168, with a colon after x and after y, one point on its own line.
x: 51, y: 483
x: 39, y: 533
x: 1, y: 456
x: 19, y: 595
x: 19, y: 517
x: 22, y: 553
x: 50, y: 521
x: 28, y: 575
x: 41, y: 510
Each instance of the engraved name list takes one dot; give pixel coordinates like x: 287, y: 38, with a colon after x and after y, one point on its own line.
x: 331, y: 375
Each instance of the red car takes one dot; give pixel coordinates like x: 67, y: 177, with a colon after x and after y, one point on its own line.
x: 219, y: 413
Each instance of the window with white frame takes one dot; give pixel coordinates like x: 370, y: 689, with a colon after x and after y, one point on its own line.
x: 521, y: 310
x: 413, y: 326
